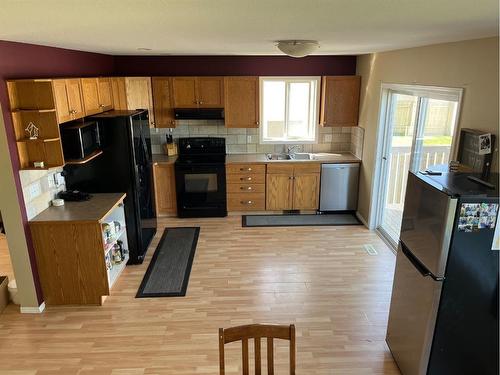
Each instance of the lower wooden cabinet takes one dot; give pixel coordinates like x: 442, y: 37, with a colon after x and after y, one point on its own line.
x: 246, y: 187
x: 292, y: 187
x: 164, y: 184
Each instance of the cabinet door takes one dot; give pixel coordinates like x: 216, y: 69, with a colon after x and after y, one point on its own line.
x: 210, y: 92
x: 184, y: 90
x: 340, y: 100
x: 164, y: 183
x: 119, y: 93
x: 139, y: 95
x: 105, y: 94
x: 61, y: 99
x: 279, y: 192
x: 306, y: 191
x: 90, y: 93
x: 162, y: 102
x: 241, y: 102
x: 75, y: 100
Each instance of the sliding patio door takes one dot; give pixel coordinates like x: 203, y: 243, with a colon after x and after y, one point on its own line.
x: 418, y: 132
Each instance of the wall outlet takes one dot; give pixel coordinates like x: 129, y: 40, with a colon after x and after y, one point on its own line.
x: 328, y: 138
x: 58, y: 179
x: 35, y: 190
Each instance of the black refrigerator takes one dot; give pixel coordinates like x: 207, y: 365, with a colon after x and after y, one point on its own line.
x: 443, y: 318
x: 124, y: 166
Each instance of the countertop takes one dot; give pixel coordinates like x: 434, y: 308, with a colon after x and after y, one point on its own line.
x: 337, y: 158
x: 164, y: 159
x: 93, y: 210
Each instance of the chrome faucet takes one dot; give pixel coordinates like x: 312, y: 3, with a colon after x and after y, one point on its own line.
x: 291, y: 149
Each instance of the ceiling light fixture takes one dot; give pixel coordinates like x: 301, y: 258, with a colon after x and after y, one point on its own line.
x: 143, y: 49
x: 297, y: 48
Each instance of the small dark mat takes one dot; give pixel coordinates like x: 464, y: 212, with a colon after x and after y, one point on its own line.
x: 169, y: 270
x: 299, y: 220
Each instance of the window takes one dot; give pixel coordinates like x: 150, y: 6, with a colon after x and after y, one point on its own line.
x: 289, y: 109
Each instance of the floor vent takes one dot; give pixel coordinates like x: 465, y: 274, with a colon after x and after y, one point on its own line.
x: 370, y: 249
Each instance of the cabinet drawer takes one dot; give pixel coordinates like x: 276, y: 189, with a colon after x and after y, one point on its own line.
x: 246, y: 178
x: 246, y: 202
x: 307, y: 168
x: 246, y: 168
x: 281, y: 168
x: 246, y: 188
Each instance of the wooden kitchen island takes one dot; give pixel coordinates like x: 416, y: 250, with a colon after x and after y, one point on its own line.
x: 77, y: 258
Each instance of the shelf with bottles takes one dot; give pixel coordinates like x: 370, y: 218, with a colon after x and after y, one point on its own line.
x: 116, y: 260
x: 112, y: 231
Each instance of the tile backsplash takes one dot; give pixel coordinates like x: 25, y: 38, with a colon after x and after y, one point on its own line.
x: 238, y: 141
x: 39, y: 188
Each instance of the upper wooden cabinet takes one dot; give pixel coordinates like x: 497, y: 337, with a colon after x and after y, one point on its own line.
x: 162, y: 102
x: 241, y: 102
x: 119, y: 93
x: 69, y: 99
x: 140, y: 96
x: 198, y: 92
x: 105, y: 92
x: 97, y: 96
x: 340, y: 100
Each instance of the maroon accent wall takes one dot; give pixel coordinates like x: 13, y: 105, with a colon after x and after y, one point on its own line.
x: 19, y: 60
x: 234, y: 65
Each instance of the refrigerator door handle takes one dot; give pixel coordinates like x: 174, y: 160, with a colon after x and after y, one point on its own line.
x: 420, y: 267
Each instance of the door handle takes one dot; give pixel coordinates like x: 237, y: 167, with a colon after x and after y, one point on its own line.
x: 421, y: 268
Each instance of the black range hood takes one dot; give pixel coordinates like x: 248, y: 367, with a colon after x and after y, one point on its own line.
x: 199, y: 113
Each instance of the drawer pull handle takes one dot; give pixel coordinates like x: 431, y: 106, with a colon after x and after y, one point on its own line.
x: 246, y: 179
x: 246, y: 202
x: 246, y: 188
x: 246, y: 169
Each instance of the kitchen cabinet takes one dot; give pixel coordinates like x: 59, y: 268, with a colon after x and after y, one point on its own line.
x: 245, y: 186
x: 105, y: 92
x: 292, y: 186
x: 340, y: 100
x: 119, y: 93
x: 78, y: 259
x: 97, y: 96
x: 68, y: 99
x: 163, y: 102
x: 241, y: 102
x: 140, y: 96
x: 198, y: 92
x: 164, y: 184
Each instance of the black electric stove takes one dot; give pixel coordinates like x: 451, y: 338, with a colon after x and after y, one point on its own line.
x: 200, y: 177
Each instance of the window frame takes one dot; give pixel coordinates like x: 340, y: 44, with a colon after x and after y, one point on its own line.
x: 316, y: 103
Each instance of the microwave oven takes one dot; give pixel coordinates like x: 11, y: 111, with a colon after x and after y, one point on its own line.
x: 80, y: 140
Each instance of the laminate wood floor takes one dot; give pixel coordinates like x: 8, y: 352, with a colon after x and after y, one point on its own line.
x: 319, y: 278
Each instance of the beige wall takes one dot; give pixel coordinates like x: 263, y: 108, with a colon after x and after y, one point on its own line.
x: 471, y: 65
x: 11, y: 214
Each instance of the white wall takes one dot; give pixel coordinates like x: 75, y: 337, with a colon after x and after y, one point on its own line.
x: 471, y: 65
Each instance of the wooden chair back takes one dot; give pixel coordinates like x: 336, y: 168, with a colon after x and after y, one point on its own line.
x: 257, y: 332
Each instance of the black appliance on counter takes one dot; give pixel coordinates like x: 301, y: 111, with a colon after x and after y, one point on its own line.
x: 443, y: 318
x: 200, y: 177
x: 124, y: 166
x: 80, y: 140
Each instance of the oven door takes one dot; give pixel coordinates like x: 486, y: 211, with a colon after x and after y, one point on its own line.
x: 201, y: 190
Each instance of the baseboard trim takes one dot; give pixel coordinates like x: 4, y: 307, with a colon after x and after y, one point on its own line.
x: 33, y: 310
x: 362, y: 219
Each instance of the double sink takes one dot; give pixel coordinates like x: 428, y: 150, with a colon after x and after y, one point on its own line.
x: 295, y: 156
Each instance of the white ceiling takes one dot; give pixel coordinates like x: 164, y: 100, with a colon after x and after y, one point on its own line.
x: 244, y: 27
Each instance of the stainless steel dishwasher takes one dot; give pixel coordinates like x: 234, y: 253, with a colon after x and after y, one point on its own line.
x: 339, y: 187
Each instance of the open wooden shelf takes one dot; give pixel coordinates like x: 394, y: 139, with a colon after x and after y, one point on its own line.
x: 86, y: 160
x: 109, y: 245
x: 39, y: 140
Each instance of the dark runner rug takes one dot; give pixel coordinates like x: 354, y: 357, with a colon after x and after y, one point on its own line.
x: 299, y: 220
x: 169, y: 270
